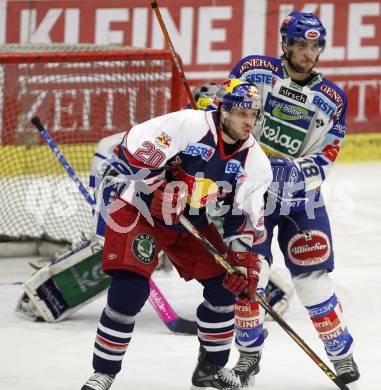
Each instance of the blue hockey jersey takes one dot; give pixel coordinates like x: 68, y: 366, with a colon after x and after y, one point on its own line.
x: 306, y: 123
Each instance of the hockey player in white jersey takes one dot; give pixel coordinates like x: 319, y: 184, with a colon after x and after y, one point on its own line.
x: 187, y: 157
x: 302, y: 129
x: 278, y: 290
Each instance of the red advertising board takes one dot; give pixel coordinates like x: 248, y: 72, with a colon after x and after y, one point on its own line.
x: 212, y: 35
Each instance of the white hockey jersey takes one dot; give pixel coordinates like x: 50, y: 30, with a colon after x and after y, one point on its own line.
x: 187, y: 146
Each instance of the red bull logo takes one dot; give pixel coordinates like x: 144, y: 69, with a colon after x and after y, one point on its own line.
x: 230, y: 84
x: 201, y: 191
x: 163, y: 140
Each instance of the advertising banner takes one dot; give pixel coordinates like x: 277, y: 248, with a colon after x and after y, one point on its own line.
x: 212, y: 35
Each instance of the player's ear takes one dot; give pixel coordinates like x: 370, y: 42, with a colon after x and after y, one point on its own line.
x: 222, y: 113
x: 285, y: 48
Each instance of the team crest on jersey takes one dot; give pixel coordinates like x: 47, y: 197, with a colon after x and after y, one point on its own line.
x: 144, y: 247
x: 311, y: 250
x: 198, y: 149
x: 163, y: 140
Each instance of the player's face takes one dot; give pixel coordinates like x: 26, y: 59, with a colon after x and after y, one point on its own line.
x: 302, y: 55
x: 238, y: 124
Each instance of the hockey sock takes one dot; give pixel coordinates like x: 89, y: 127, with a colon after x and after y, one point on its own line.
x: 215, y: 319
x: 327, y: 318
x: 126, y: 297
x: 248, y: 326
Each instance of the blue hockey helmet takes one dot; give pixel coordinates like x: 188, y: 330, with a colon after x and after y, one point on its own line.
x: 302, y: 26
x: 240, y: 94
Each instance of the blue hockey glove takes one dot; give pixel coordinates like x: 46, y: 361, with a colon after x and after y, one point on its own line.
x: 288, y: 178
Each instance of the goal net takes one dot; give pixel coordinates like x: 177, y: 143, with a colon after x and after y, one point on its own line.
x: 81, y: 93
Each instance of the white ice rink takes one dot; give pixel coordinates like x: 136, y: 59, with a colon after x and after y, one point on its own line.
x: 42, y: 356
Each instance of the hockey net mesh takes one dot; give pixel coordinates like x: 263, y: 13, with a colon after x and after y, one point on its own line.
x: 81, y: 94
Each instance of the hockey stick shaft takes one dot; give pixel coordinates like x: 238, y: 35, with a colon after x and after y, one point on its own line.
x: 57, y: 152
x: 287, y: 328
x: 175, y: 57
x: 156, y: 297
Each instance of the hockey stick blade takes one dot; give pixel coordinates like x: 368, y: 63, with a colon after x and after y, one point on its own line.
x: 168, y: 315
x: 174, y: 322
x: 182, y: 326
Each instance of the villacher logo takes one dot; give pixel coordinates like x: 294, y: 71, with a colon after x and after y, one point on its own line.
x: 314, y: 251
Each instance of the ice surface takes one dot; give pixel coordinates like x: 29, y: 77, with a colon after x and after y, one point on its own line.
x: 41, y: 356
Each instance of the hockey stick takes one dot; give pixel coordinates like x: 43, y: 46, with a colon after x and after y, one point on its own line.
x: 175, y: 57
x: 217, y: 256
x: 156, y: 298
x: 229, y: 268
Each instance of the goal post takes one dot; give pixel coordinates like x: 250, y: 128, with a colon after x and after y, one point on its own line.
x: 82, y: 93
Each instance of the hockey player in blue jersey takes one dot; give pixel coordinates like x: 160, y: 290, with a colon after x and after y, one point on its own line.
x: 301, y: 131
x: 186, y: 158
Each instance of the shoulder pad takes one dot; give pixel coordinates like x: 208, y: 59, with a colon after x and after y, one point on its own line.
x: 260, y: 62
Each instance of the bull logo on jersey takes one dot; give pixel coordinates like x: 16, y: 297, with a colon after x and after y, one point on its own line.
x: 163, y: 140
x: 201, y: 190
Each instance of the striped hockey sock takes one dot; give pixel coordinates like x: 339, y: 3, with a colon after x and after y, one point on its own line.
x: 249, y: 319
x: 112, y: 339
x: 327, y: 318
x: 216, y: 331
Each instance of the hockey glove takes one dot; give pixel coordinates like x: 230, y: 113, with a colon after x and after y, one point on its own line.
x: 168, y: 202
x: 288, y: 179
x: 248, y: 266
